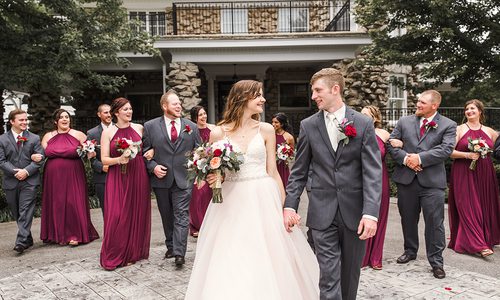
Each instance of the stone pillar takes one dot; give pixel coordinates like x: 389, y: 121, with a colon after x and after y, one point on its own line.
x: 183, y: 79
x: 211, y: 99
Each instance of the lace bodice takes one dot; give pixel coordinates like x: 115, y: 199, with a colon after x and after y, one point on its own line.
x: 254, y: 165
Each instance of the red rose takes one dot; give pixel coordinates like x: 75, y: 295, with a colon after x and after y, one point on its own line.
x: 122, y: 144
x: 187, y: 129
x: 217, y: 152
x: 350, y: 131
x: 432, y: 123
x: 481, y: 144
x: 195, y: 163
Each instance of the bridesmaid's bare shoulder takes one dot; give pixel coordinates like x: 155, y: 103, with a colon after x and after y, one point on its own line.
x: 138, y: 128
x: 216, y: 134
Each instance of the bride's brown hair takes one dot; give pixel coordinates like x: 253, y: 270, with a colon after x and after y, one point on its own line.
x: 241, y: 92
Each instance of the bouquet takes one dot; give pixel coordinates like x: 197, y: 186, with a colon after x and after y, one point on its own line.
x: 478, y: 146
x: 129, y: 148
x: 217, y: 158
x: 87, y: 147
x: 285, y: 152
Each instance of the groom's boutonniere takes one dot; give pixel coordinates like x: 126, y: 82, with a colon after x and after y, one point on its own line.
x: 432, y: 125
x: 21, y: 140
x: 187, y: 129
x: 347, y: 130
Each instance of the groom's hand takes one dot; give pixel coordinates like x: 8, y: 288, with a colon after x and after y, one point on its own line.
x: 160, y: 171
x: 290, y: 218
x: 367, y: 228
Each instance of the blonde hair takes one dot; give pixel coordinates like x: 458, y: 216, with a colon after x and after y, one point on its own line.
x: 331, y: 76
x: 241, y: 92
x: 375, y: 114
x: 435, y: 95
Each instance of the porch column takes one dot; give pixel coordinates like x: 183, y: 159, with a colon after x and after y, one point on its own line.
x: 211, y: 99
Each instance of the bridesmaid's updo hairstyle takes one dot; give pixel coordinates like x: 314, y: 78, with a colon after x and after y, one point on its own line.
x: 375, y: 114
x: 283, y: 119
x: 194, y: 112
x: 480, y: 106
x: 116, y: 105
x: 57, y: 115
x: 241, y: 92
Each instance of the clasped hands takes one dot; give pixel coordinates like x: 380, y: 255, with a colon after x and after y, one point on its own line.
x: 290, y: 219
x: 412, y: 159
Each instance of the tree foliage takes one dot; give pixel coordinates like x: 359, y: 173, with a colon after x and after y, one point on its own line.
x: 51, y: 46
x: 457, y: 40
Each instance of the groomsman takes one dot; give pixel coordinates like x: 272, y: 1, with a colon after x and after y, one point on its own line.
x: 428, y: 140
x: 171, y: 136
x: 496, y: 151
x: 100, y: 170
x: 20, y: 174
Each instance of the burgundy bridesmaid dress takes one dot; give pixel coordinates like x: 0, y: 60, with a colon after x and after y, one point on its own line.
x: 473, y: 201
x: 127, y: 218
x: 283, y: 168
x: 200, y: 198
x: 65, y: 206
x: 375, y: 244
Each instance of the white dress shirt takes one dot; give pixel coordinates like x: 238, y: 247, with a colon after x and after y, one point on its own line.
x: 168, y: 123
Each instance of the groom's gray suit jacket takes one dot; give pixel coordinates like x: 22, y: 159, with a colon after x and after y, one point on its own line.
x: 14, y: 157
x: 168, y: 154
x: 349, y: 179
x: 496, y: 150
x: 434, y: 148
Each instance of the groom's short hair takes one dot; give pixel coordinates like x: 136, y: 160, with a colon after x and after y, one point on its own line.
x: 331, y: 77
x: 435, y: 95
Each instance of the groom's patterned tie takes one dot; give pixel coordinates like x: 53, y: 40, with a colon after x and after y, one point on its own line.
x: 173, y: 132
x: 331, y: 128
x: 422, y: 128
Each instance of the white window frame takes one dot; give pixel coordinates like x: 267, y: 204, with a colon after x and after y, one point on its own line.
x: 237, y: 15
x: 284, y: 14
x: 397, y: 94
x: 148, y: 25
x: 292, y: 108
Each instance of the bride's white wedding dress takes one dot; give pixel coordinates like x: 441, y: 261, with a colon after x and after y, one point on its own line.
x: 244, y: 251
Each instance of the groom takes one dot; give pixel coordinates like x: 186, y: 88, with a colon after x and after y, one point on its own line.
x: 339, y: 163
x: 171, y: 137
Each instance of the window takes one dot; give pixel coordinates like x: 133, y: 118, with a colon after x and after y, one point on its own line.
x: 294, y: 95
x: 152, y: 22
x: 293, y: 19
x: 397, y: 103
x: 234, y: 20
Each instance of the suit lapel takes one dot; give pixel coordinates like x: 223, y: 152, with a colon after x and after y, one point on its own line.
x: 428, y: 129
x: 320, y: 123
x: 417, y: 127
x: 349, y: 115
x: 180, y: 135
x: 13, y: 141
x: 163, y: 128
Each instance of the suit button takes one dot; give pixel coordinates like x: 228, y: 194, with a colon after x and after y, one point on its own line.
x: 336, y: 170
x: 339, y: 189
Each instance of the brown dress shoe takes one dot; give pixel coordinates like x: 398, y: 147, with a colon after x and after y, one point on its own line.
x: 405, y: 258
x: 169, y: 253
x: 438, y: 272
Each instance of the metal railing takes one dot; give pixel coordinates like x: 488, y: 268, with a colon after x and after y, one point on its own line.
x: 199, y: 18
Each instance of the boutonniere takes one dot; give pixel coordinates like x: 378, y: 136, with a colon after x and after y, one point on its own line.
x: 431, y: 124
x: 187, y: 129
x: 21, y: 139
x: 347, y: 130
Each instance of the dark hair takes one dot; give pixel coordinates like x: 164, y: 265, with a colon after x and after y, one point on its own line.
x: 116, y: 105
x: 57, y: 115
x: 480, y: 107
x: 241, y: 92
x: 283, y: 119
x: 195, y: 111
x: 14, y: 113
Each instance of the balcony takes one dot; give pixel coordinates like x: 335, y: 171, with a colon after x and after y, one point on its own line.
x: 262, y: 17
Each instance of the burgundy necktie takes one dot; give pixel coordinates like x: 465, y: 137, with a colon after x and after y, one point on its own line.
x: 173, y: 132
x: 422, y: 128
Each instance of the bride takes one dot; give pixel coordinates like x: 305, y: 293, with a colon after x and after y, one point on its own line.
x: 244, y: 251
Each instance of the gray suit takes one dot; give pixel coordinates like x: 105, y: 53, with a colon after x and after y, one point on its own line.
x: 423, y: 190
x: 20, y: 194
x: 496, y: 150
x: 173, y: 192
x: 98, y: 176
x: 342, y: 186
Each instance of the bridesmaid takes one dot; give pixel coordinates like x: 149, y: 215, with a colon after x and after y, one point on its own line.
x: 473, y: 201
x: 65, y: 207
x: 283, y: 135
x: 201, y: 195
x: 375, y: 244
x: 127, y: 218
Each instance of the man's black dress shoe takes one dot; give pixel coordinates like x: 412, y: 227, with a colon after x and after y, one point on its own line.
x: 405, y: 258
x: 438, y: 272
x: 169, y: 253
x: 179, y: 260
x: 19, y: 248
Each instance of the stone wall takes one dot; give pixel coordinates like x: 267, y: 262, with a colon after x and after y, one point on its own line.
x: 263, y: 20
x: 198, y: 21
x: 319, y: 15
x: 183, y: 78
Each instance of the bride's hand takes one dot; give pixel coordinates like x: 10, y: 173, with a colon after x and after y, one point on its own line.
x: 395, y: 143
x: 212, y: 178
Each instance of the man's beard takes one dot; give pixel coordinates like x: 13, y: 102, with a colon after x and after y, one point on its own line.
x: 173, y: 113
